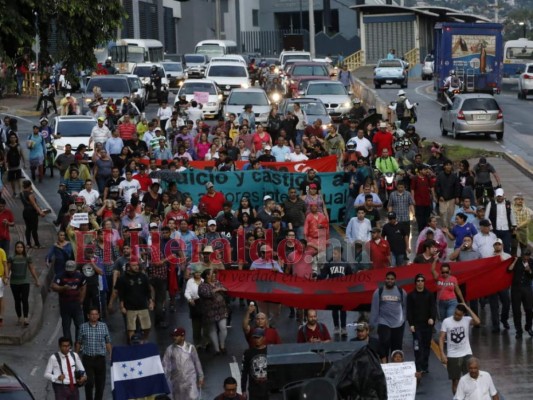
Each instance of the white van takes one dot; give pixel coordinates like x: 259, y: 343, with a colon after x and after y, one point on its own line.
x: 228, y: 75
x: 293, y: 55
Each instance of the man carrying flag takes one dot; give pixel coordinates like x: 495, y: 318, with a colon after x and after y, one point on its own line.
x: 136, y: 371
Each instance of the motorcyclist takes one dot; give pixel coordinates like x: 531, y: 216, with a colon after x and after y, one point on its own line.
x: 270, y: 75
x: 48, y: 137
x: 47, y: 93
x: 274, y: 86
x: 155, y: 79
x: 413, y: 137
x: 386, y: 163
x: 357, y: 112
x: 406, y: 155
x: 404, y: 109
x: 452, y: 84
x: 253, y: 71
x: 111, y: 70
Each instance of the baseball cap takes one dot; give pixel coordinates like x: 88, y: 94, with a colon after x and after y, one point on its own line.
x: 391, y: 215
x: 401, y: 92
x: 153, y: 225
x: 482, y: 160
x: 497, y: 241
x: 382, y: 124
x: 208, y: 249
x: 178, y: 332
x: 101, y: 119
x: 267, y: 197
x: 313, y: 186
x: 157, y: 129
x: 209, y: 185
x: 211, y: 222
x: 268, y: 147
x: 499, y: 192
x: 258, y: 332
x: 70, y: 266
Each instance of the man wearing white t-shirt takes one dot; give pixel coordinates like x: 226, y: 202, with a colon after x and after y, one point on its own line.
x: 362, y: 145
x: 297, y: 155
x: 89, y: 194
x: 128, y: 187
x: 456, y: 330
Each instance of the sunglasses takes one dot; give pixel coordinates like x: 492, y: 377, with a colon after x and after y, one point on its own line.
x: 445, y: 272
x: 420, y: 280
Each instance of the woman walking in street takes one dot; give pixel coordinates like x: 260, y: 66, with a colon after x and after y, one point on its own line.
x: 37, y: 149
x: 14, y: 159
x: 448, y: 291
x: 214, y: 309
x: 30, y: 213
x: 19, y: 264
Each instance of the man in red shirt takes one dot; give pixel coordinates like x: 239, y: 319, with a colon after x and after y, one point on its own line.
x: 212, y: 202
x: 261, y: 321
x: 127, y: 128
x: 314, y: 130
x: 421, y: 189
x: 144, y: 179
x: 379, y: 250
x: 383, y: 139
x: 6, y: 221
x: 313, y: 331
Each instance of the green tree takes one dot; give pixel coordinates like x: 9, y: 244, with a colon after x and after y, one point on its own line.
x: 512, y: 27
x: 81, y: 25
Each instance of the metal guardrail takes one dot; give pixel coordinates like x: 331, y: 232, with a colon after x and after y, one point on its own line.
x: 355, y: 60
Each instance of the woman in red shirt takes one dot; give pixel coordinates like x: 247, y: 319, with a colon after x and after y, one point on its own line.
x: 261, y: 137
x: 448, y: 293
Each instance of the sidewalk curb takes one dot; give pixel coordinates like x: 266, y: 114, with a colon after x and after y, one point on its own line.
x: 520, y: 164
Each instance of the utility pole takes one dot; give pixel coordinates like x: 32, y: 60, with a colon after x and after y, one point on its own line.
x: 217, y: 19
x: 311, y: 28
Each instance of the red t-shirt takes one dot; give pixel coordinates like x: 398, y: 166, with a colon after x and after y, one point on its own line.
x: 4, y: 228
x: 144, y: 180
x: 379, y: 253
x: 383, y: 141
x: 305, y: 333
x: 446, y: 288
x: 422, y: 187
x: 311, y: 130
x: 212, y: 205
x: 126, y: 131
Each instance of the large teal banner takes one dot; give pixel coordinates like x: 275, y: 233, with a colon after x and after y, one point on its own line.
x: 256, y: 184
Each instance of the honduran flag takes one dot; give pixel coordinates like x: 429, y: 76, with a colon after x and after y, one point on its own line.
x: 136, y: 371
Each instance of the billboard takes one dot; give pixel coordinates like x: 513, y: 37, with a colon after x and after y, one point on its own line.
x: 474, y: 52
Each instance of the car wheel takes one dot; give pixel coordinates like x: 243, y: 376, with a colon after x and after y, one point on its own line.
x: 499, y: 135
x: 456, y: 135
x: 376, y: 86
x: 404, y: 85
x: 443, y: 131
x: 519, y: 95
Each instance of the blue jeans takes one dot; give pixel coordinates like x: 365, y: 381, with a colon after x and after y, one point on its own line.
x: 70, y: 312
x: 299, y: 137
x: 398, y: 259
x: 446, y: 308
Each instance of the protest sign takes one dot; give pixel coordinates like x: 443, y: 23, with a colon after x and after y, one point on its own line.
x: 78, y: 219
x: 201, y: 97
x: 401, y: 380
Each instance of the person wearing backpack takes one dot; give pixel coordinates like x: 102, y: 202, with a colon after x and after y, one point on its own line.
x: 388, y: 314
x: 405, y: 110
x: 313, y: 331
x: 14, y: 161
x: 65, y: 371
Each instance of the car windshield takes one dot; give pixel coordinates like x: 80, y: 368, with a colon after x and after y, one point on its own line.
x: 194, y: 59
x: 390, y: 64
x: 309, y: 70
x: 190, y: 88
x: 296, y: 57
x: 174, y: 67
x: 142, y: 72
x: 75, y: 128
x: 241, y: 98
x: 135, y: 83
x: 232, y: 71
x: 310, y: 108
x: 481, y: 104
x: 108, y: 85
x: 325, y: 88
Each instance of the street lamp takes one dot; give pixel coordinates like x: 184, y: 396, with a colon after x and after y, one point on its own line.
x: 523, y: 25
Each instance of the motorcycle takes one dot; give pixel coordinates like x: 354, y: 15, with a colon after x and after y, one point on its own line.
x: 275, y: 96
x: 387, y: 185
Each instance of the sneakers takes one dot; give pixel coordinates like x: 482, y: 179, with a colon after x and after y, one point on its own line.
x: 506, y: 325
x: 344, y: 333
x: 336, y: 331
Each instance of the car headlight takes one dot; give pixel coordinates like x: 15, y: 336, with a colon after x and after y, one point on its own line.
x: 276, y: 70
x: 181, y: 84
x: 221, y: 97
x: 88, y: 100
x: 211, y: 104
x: 276, y: 96
x: 324, y: 127
x: 347, y: 104
x: 245, y: 85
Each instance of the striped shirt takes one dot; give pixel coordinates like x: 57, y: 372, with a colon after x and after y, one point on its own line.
x: 93, y: 339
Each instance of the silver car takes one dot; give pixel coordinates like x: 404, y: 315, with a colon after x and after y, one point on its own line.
x: 238, y: 98
x: 391, y: 72
x: 333, y: 94
x: 472, y: 113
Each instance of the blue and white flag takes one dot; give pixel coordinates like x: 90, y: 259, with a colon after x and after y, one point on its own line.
x: 136, y: 371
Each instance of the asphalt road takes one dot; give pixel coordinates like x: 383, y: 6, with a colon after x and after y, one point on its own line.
x: 509, y: 361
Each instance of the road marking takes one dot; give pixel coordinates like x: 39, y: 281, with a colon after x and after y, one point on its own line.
x: 236, y: 373
x: 34, y: 371
x: 432, y: 98
x: 54, y: 335
x: 17, y: 117
x: 41, y: 197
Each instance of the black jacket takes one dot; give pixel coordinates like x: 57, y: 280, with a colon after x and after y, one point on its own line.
x: 447, y: 186
x: 421, y: 306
